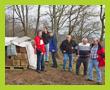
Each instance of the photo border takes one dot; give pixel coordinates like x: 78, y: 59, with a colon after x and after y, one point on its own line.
x: 3, y: 4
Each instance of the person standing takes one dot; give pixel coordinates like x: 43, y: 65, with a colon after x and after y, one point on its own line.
x: 53, y: 49
x: 83, y: 55
x: 97, y: 60
x: 68, y: 47
x: 40, y: 51
x: 46, y: 37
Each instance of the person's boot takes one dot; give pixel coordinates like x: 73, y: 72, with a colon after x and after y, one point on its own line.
x: 99, y: 83
x: 89, y: 80
x: 43, y: 70
x: 64, y: 70
x: 38, y: 71
x: 54, y: 66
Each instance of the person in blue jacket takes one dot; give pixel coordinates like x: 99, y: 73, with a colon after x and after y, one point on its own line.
x: 53, y: 49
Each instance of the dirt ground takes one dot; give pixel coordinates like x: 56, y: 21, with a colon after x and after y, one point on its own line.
x: 52, y: 76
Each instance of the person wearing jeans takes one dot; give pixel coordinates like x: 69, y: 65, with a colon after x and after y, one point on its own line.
x: 68, y: 48
x: 46, y: 38
x: 53, y: 49
x: 66, y: 56
x: 40, y: 61
x: 93, y: 63
x: 46, y: 56
x: 97, y: 60
x: 40, y: 51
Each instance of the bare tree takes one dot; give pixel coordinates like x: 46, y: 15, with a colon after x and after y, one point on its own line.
x: 56, y: 13
x: 102, y: 18
x: 13, y: 21
x: 26, y: 19
x: 54, y: 20
x: 38, y: 18
x: 22, y: 12
x: 73, y: 21
x: 77, y: 20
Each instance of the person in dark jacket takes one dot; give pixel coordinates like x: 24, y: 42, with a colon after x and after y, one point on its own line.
x: 53, y: 49
x: 83, y: 55
x: 97, y: 60
x: 68, y: 48
x: 46, y: 37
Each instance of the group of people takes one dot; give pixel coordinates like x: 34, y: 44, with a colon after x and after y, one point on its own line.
x: 91, y: 55
x: 45, y: 42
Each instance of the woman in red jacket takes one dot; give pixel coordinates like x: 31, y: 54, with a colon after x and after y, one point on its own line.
x: 101, y: 57
x: 40, y: 51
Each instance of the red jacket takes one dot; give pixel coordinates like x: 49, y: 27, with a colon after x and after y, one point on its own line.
x: 101, y: 57
x: 39, y: 44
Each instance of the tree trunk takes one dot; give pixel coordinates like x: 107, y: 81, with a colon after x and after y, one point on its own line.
x: 13, y: 21
x: 102, y: 17
x: 38, y: 18
x: 26, y: 19
x: 55, y: 22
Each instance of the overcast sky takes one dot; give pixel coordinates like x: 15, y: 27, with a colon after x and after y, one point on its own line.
x: 44, y: 9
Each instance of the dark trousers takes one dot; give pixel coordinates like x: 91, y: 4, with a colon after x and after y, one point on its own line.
x: 54, y: 59
x: 85, y: 64
x: 40, y: 61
